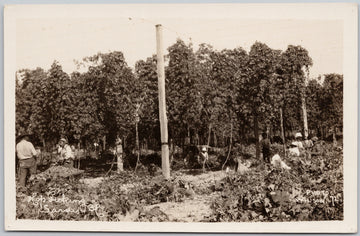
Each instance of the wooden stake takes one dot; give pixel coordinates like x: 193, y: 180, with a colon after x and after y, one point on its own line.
x: 119, y: 156
x: 137, y: 143
x: 162, y: 104
x: 282, y: 130
x: 303, y: 105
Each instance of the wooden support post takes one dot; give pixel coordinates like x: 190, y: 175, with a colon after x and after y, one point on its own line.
x: 137, y: 120
x: 282, y: 130
x: 119, y: 155
x: 303, y: 105
x: 162, y: 104
x: 137, y: 142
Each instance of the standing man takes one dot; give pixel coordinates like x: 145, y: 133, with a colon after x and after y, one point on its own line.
x: 65, y: 153
x: 26, y: 154
x: 203, y: 157
x: 119, y: 155
x: 265, y: 146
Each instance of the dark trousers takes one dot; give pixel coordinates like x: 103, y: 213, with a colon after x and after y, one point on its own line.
x: 266, y: 156
x: 27, y: 167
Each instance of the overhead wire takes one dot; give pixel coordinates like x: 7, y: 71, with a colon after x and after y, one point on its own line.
x: 178, y: 34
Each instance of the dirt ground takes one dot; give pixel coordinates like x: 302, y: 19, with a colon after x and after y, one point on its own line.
x: 196, y: 207
x: 191, y: 210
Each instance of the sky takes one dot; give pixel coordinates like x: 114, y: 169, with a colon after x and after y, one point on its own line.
x: 41, y: 41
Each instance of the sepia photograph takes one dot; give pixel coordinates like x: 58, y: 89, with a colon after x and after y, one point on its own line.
x: 143, y: 117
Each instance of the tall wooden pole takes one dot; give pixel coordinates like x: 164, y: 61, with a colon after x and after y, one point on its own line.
x: 306, y: 129
x: 162, y: 104
x: 282, y: 130
x: 303, y: 105
x: 137, y: 120
x: 137, y: 142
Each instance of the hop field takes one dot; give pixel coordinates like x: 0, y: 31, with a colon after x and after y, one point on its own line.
x: 311, y: 190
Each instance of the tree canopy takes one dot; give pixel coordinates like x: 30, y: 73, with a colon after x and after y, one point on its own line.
x: 211, y: 95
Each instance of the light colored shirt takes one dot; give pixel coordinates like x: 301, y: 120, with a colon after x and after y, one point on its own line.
x: 25, y: 150
x: 65, y: 152
x: 294, y: 151
x: 298, y: 144
x: 204, y: 155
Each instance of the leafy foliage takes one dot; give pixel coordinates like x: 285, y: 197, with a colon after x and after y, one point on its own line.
x: 183, y: 99
x: 211, y: 96
x: 310, y: 191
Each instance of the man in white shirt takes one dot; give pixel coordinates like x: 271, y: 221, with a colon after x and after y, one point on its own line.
x: 66, y: 155
x: 26, y: 154
x: 203, y: 157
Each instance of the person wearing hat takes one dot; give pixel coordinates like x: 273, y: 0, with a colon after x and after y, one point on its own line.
x: 297, y: 146
x: 298, y: 141
x: 66, y: 155
x: 317, y: 148
x: 308, y: 144
x: 203, y: 157
x: 26, y: 154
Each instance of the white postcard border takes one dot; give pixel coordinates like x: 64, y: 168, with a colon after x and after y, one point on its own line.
x: 346, y: 12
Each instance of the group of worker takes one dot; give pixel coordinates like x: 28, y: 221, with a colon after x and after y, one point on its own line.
x: 65, y: 156
x: 27, y: 155
x: 309, y: 147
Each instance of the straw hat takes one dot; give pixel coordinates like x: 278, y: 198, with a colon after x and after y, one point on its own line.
x: 63, y: 140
